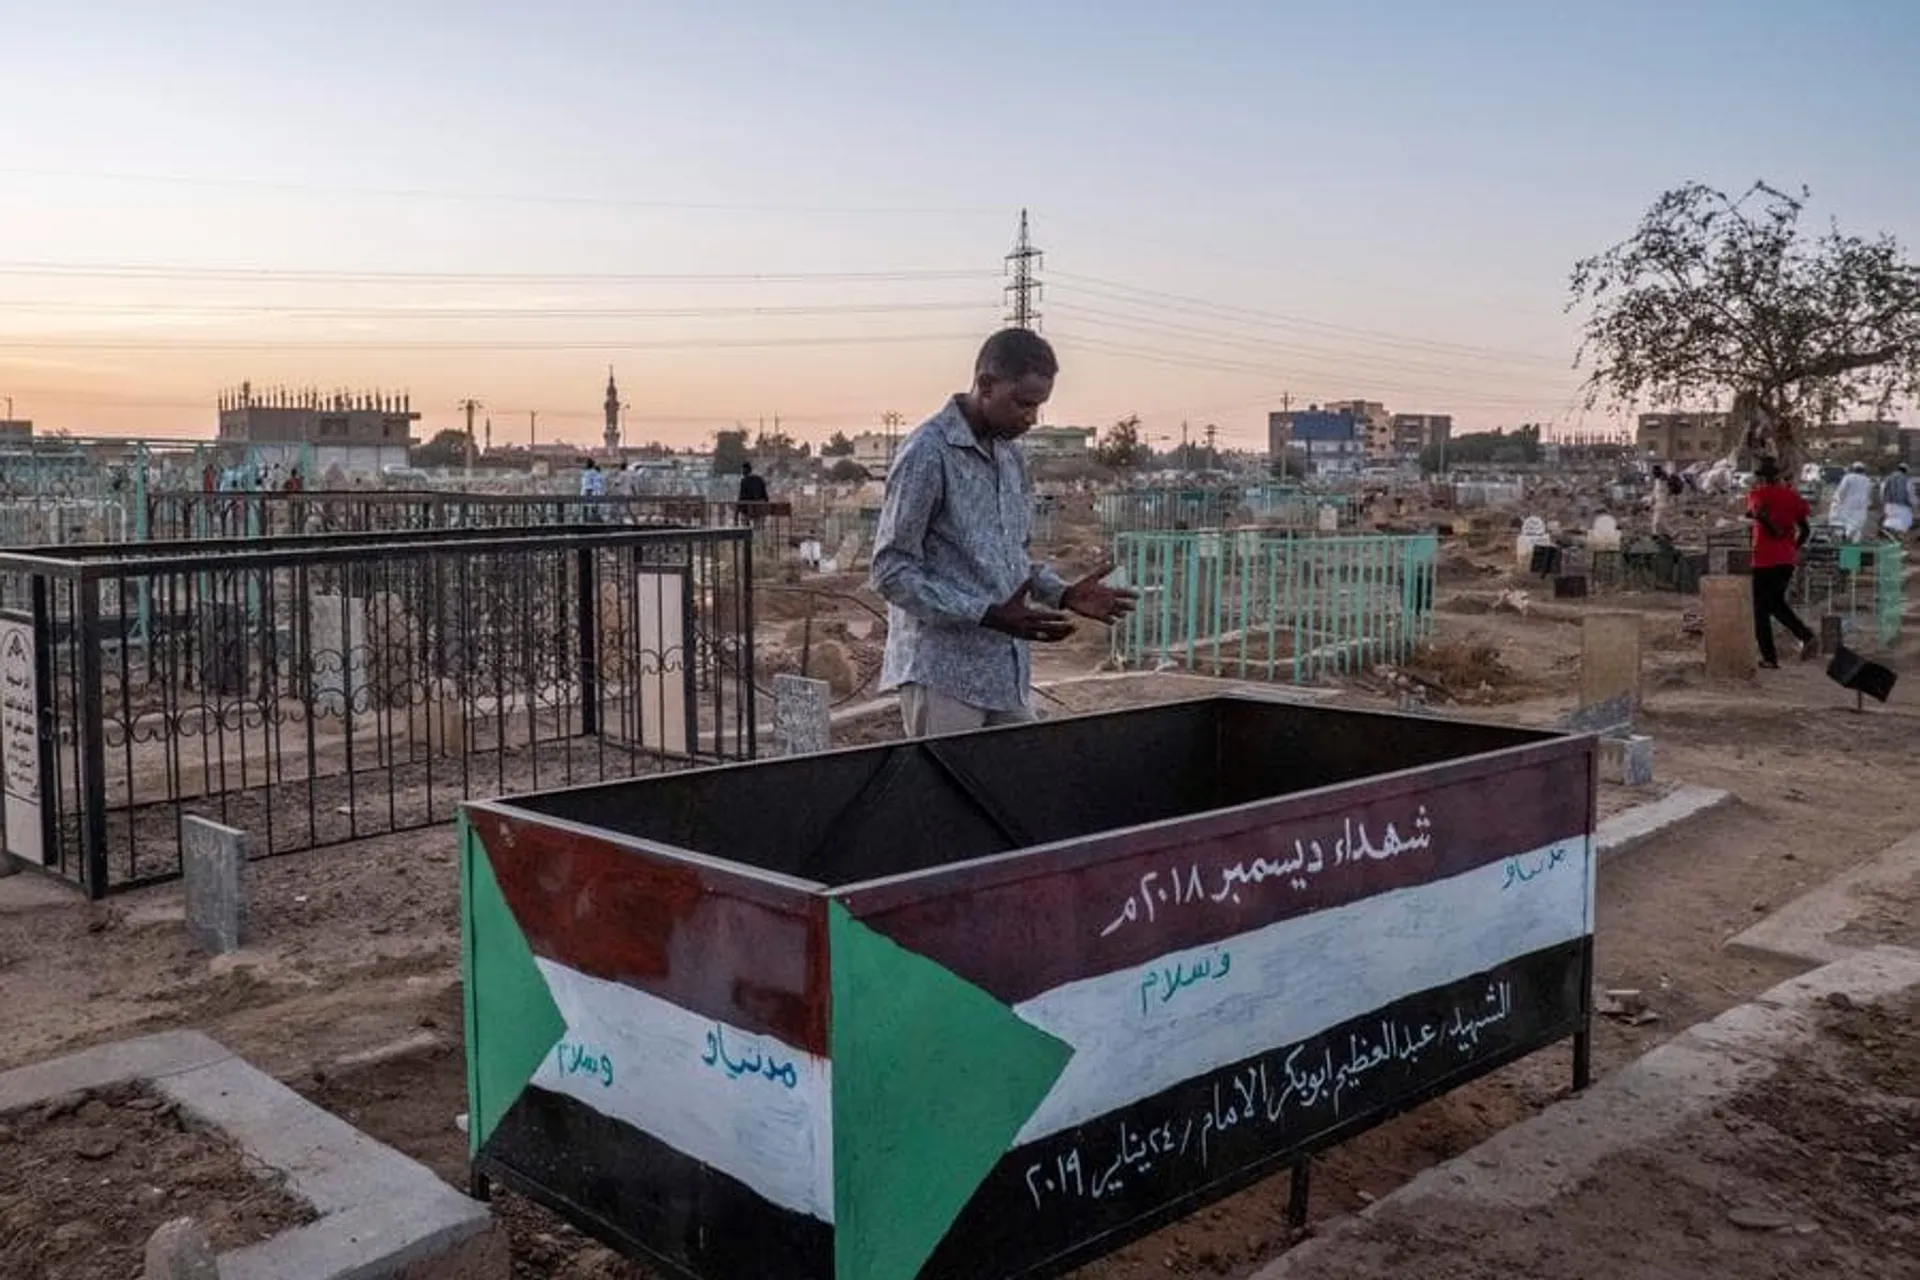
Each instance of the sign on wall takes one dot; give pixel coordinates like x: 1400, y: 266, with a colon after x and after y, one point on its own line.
x: 20, y: 740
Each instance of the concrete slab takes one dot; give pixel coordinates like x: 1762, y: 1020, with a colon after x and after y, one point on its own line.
x: 381, y: 1213
x: 1529, y: 1166
x: 1641, y: 823
x: 152, y: 1057
x: 1806, y: 928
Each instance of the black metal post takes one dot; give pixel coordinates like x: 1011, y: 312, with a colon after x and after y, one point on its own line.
x: 47, y: 732
x: 93, y: 742
x: 1298, y: 1187
x: 743, y: 655
x: 1583, y: 1038
x: 587, y: 573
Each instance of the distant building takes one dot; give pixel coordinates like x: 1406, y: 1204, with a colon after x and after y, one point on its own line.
x: 350, y: 433
x: 1415, y: 433
x: 16, y: 430
x: 1375, y: 426
x: 1683, y: 438
x: 1058, y: 443
x: 873, y: 450
x: 1876, y: 436
x: 1330, y: 439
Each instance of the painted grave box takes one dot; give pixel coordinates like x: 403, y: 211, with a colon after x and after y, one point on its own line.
x: 993, y: 1004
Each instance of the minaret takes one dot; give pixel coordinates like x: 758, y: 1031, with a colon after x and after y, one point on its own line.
x: 613, y: 413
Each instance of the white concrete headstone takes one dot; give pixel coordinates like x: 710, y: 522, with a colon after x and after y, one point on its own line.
x: 1605, y: 535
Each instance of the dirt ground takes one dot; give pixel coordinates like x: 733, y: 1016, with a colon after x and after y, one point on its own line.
x: 356, y: 946
x: 86, y: 1178
x: 1813, y: 1172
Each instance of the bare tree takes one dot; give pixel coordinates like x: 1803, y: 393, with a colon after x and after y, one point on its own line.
x: 1729, y: 298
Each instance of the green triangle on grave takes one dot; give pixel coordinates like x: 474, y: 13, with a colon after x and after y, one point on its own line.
x: 512, y: 1021
x: 932, y: 1079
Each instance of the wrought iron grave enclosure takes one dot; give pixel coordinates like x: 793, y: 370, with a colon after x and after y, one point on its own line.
x: 319, y: 689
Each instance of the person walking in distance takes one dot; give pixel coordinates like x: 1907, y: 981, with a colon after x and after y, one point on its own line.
x: 1780, y: 529
x: 1896, y: 502
x: 752, y: 487
x: 951, y: 556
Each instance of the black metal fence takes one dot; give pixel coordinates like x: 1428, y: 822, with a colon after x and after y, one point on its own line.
x: 176, y: 515
x: 324, y: 688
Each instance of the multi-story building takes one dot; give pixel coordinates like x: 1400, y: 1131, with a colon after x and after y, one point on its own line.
x: 335, y: 433
x: 1682, y: 438
x: 1375, y: 426
x: 873, y: 450
x: 1415, y: 433
x: 1331, y: 440
x: 1874, y: 436
x: 16, y: 430
x: 1058, y: 443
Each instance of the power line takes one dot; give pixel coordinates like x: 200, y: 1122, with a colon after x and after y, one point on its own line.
x: 135, y: 271
x: 1390, y: 362
x: 89, y: 344
x: 1141, y: 296
x: 1152, y: 356
x: 493, y: 197
x: 480, y: 313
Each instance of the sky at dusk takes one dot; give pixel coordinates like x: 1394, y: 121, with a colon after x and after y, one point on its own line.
x: 754, y: 209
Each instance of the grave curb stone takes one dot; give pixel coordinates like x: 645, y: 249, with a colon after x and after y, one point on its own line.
x: 381, y: 1213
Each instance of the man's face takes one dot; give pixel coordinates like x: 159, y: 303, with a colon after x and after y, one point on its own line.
x: 1010, y: 406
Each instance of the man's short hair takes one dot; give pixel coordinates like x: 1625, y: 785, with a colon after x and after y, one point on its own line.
x: 1012, y: 354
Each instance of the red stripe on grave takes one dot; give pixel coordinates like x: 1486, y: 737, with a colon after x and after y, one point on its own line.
x: 729, y: 947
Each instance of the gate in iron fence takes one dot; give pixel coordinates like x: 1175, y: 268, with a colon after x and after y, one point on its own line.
x: 1250, y: 603
x: 319, y: 689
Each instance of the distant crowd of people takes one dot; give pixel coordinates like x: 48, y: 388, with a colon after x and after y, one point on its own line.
x: 1849, y: 512
x: 1853, y: 501
x: 243, y: 477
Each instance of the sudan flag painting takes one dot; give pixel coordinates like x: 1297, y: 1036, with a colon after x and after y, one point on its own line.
x: 1009, y: 1061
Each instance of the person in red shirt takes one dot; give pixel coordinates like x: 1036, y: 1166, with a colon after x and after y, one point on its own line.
x: 1779, y: 516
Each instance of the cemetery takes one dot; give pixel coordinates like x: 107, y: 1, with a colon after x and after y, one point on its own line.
x: 379, y: 853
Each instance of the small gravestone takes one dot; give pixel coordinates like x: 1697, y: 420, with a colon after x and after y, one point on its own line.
x: 1626, y: 759
x: 1833, y: 635
x: 800, y: 715
x: 214, y: 861
x: 1533, y: 533
x: 1605, y: 534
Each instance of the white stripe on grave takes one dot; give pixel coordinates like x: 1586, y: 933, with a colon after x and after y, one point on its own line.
x: 1139, y: 1030
x: 748, y: 1105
